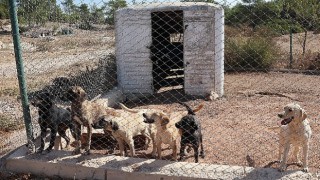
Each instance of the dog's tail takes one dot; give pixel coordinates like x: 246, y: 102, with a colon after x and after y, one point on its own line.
x: 198, y: 108
x: 127, y: 109
x: 192, y: 111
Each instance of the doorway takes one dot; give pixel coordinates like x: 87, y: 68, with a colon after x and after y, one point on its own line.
x: 167, y: 49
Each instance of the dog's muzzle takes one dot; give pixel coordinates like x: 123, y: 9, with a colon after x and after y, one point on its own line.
x: 286, y: 121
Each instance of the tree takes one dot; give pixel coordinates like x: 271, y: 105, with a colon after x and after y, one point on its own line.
x: 71, y: 11
x: 305, y: 13
x: 97, y: 14
x: 111, y: 7
x: 207, y: 1
x: 252, y: 1
x: 84, y: 13
x: 33, y: 11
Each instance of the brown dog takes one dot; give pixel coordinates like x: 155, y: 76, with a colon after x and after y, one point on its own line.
x: 86, y: 113
x: 167, y: 132
x: 126, y: 127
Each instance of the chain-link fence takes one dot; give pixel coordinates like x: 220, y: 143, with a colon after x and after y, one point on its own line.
x: 237, y: 64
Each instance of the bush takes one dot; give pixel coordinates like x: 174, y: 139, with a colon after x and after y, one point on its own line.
x: 249, y: 53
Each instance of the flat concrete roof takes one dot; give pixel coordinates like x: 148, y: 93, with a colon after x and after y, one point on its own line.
x: 170, y: 6
x: 96, y: 166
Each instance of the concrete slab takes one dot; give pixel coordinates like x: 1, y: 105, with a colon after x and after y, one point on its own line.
x: 63, y: 164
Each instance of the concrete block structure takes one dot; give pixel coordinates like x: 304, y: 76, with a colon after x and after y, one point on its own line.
x: 170, y: 44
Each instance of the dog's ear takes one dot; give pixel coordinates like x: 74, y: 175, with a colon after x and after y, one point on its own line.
x: 114, y: 125
x: 164, y: 119
x: 303, y: 114
x: 82, y: 94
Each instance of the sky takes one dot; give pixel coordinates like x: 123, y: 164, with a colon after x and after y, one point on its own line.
x: 100, y: 2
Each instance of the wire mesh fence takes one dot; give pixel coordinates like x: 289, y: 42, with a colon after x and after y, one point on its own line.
x: 203, y: 82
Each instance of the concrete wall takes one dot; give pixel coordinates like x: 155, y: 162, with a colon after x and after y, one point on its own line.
x: 199, y: 51
x: 61, y: 164
x: 133, y: 37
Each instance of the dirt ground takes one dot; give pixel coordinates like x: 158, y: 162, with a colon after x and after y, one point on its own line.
x: 235, y: 127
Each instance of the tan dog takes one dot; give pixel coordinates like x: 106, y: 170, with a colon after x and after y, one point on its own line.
x: 127, y: 126
x: 167, y: 133
x: 296, y: 131
x: 85, y: 112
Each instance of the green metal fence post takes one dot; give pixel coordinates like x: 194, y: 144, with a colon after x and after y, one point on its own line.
x: 20, y: 70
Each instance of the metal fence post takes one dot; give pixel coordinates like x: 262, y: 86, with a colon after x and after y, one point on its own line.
x: 20, y: 69
x: 291, y: 56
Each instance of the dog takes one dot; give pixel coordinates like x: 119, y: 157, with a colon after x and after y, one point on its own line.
x: 296, y: 131
x: 85, y: 113
x: 167, y: 133
x: 125, y: 128
x: 51, y: 117
x: 191, y: 133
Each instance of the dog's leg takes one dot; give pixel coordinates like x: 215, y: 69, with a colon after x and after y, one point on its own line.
x: 296, y: 154
x: 305, y: 156
x: 131, y: 146
x: 154, y: 145
x: 88, y: 143
x: 42, y: 139
x: 62, y: 133
x: 174, y: 150
x: 283, y: 164
x: 202, y: 154
x: 52, y: 139
x: 182, y: 151
x: 281, y: 145
x: 121, y: 146
x: 159, y: 149
x: 196, y: 152
x: 112, y: 142
x: 77, y: 134
x: 147, y: 141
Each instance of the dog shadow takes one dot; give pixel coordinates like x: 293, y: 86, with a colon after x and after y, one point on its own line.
x: 162, y: 98
x: 271, y: 171
x: 140, y: 164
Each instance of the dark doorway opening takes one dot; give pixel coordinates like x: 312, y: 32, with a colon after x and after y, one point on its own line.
x: 167, y: 48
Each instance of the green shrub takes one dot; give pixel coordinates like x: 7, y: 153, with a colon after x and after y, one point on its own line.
x: 249, y: 53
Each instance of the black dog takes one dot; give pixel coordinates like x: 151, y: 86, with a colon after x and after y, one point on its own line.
x: 51, y: 117
x: 191, y: 133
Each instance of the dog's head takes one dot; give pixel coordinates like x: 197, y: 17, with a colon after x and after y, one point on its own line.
x: 188, y: 124
x: 43, y: 100
x: 156, y: 117
x: 75, y: 94
x: 292, y: 113
x: 107, y: 123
